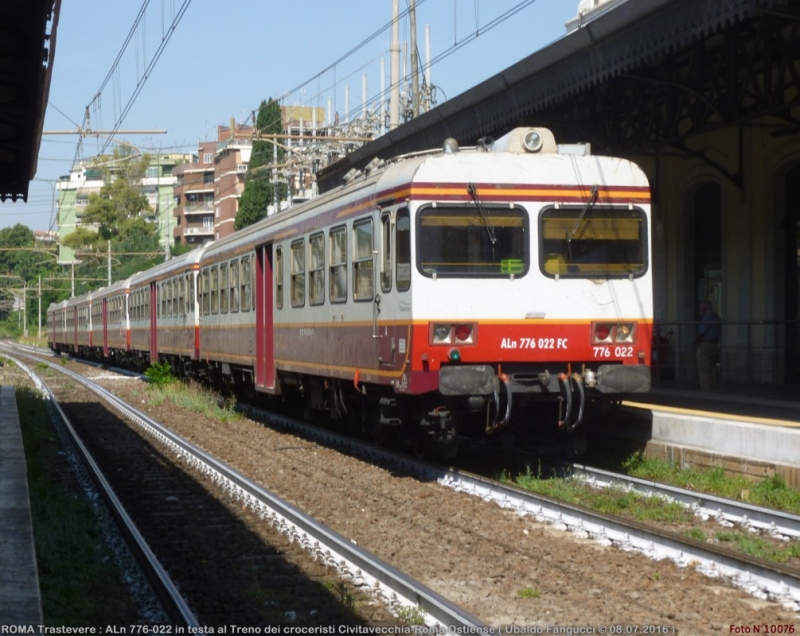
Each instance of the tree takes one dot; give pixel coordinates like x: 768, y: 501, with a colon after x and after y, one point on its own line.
x: 259, y: 191
x: 117, y: 214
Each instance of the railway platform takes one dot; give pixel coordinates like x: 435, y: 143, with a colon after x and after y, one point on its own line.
x: 753, y: 435
x: 20, y: 599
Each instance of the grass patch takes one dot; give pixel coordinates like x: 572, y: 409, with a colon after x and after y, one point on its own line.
x: 411, y: 615
x: 79, y: 584
x: 528, y: 592
x: 771, y: 492
x: 614, y: 500
x: 758, y: 547
x: 196, y: 399
x: 697, y: 534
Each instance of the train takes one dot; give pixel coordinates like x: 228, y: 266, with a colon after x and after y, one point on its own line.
x: 433, y: 293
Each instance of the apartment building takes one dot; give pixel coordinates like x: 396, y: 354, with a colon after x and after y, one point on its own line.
x: 207, y: 191
x: 87, y: 178
x: 194, y: 197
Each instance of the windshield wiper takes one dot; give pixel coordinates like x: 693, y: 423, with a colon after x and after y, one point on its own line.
x: 571, y: 234
x: 473, y: 192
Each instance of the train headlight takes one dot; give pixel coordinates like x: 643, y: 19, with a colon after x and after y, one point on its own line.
x: 532, y: 141
x: 441, y: 334
x: 453, y: 333
x: 624, y: 333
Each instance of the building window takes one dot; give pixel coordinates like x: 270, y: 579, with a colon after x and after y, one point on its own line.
x: 152, y: 172
x: 208, y: 157
x: 208, y: 177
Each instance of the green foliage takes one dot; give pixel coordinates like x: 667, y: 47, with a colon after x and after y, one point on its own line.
x: 529, y: 592
x: 760, y: 548
x: 345, y: 596
x: 159, y: 374
x: 696, y: 533
x: 771, y: 492
x: 253, y: 204
x: 259, y: 191
x: 197, y: 399
x: 411, y: 615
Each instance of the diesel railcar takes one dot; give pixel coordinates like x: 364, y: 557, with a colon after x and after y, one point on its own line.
x: 435, y: 291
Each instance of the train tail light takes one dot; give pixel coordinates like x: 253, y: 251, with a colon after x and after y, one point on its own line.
x: 602, y: 333
x: 450, y: 333
x: 607, y: 333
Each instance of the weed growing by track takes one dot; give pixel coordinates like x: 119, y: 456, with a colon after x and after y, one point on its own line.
x: 771, y: 492
x: 195, y: 398
x: 613, y: 500
x: 617, y: 500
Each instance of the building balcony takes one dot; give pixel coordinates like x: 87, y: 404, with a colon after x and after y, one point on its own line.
x: 198, y: 231
x: 207, y: 207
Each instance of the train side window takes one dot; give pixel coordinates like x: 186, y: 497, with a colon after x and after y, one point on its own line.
x: 386, y: 255
x: 363, y: 261
x: 190, y: 279
x: 181, y: 295
x: 247, y: 284
x: 402, y: 246
x: 234, y: 286
x: 169, y: 290
x: 205, y: 293
x: 175, y: 298
x: 223, y: 288
x: 298, y: 274
x: 316, y: 269
x: 279, y: 277
x: 215, y: 289
x: 162, y: 312
x: 337, y: 241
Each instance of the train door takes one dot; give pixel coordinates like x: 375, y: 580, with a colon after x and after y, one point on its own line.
x: 392, y: 306
x: 105, y: 327
x: 153, y: 322
x: 265, y: 302
x: 74, y: 313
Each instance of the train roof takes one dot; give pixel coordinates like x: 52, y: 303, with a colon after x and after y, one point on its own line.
x: 176, y: 265
x: 492, y: 161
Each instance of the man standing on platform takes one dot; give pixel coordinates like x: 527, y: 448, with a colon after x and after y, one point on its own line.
x: 708, y: 335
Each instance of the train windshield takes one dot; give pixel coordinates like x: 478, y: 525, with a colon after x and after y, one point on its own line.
x: 593, y: 242
x: 485, y: 240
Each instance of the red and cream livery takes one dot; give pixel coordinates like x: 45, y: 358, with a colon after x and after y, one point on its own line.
x: 436, y: 290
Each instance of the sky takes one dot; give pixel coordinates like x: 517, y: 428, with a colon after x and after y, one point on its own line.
x: 192, y: 65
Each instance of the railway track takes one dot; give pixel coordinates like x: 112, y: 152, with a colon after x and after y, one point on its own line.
x: 769, y: 582
x: 386, y: 584
x: 759, y: 577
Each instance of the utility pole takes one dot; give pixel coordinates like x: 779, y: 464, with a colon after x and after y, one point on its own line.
x: 412, y: 16
x: 25, y: 309
x: 109, y: 262
x: 39, y: 337
x: 394, y: 89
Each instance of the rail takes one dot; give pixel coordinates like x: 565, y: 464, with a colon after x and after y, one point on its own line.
x: 760, y: 358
